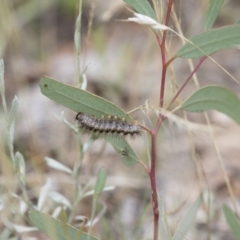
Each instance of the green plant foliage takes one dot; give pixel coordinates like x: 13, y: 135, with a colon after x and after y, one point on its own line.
x: 77, y: 42
x: 238, y: 22
x: 82, y: 101
x: 214, y: 98
x: 68, y: 7
x: 79, y: 100
x: 98, y: 189
x: 2, y: 88
x: 187, y: 220
x: 20, y: 167
x: 212, y: 13
x: 163, y: 224
x: 124, y: 151
x: 100, y: 183
x: 142, y: 6
x: 210, y: 42
x: 55, y: 229
x: 13, y: 112
x: 232, y: 221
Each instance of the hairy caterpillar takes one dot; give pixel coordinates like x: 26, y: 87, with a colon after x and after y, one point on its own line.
x: 107, y: 125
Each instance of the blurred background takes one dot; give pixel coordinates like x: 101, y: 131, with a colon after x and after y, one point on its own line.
x: 123, y: 64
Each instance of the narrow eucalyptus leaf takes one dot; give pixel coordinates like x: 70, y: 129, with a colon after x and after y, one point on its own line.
x: 100, y: 182
x: 55, y: 229
x: 124, y: 151
x: 83, y: 101
x: 210, y: 42
x: 79, y: 100
x: 187, y: 220
x: 142, y: 6
x: 212, y: 13
x: 214, y: 98
x: 232, y: 221
x: 13, y: 111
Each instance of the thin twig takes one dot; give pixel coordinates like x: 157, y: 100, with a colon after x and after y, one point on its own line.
x: 186, y: 81
x: 162, y: 46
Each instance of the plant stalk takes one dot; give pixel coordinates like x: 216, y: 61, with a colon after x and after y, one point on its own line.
x: 162, y: 45
x: 186, y: 81
x: 152, y: 173
x: 152, y: 176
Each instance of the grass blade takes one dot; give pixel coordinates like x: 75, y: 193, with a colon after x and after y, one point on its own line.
x: 163, y: 222
x: 232, y: 221
x: 187, y: 220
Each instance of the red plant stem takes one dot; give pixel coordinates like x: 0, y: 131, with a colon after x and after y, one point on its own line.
x: 162, y: 83
x: 152, y: 172
x: 186, y: 81
x: 170, y: 3
x: 152, y: 175
x: 163, y: 77
x: 161, y: 118
x: 163, y: 53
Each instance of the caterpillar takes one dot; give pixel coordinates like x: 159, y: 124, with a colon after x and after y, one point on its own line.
x: 107, y: 126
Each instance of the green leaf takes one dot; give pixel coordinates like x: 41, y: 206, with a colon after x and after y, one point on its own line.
x: 187, y: 220
x: 13, y: 112
x: 2, y: 88
x: 79, y: 100
x: 143, y: 7
x: 55, y: 229
x: 83, y: 101
x: 238, y: 22
x: 165, y: 234
x: 212, y: 13
x: 210, y: 42
x: 214, y: 98
x: 20, y: 163
x: 77, y: 42
x: 125, y: 152
x: 99, y: 186
x: 100, y: 182
x: 232, y: 221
